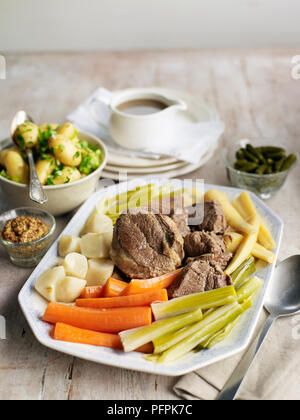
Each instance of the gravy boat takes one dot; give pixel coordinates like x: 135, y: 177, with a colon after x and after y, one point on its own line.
x: 139, y: 132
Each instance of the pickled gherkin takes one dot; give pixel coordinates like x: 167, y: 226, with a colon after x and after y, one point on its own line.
x: 266, y: 160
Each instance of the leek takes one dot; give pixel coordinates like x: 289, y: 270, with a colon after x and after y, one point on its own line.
x: 243, y: 272
x: 225, y: 332
x: 207, y: 326
x: 250, y: 288
x: 221, y: 335
x: 230, y: 313
x: 204, y: 300
x: 132, y: 339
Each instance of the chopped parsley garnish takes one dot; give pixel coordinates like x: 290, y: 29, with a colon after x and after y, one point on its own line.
x: 3, y: 173
x: 21, y: 141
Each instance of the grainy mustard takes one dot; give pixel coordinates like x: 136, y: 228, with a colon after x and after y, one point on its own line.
x: 24, y: 229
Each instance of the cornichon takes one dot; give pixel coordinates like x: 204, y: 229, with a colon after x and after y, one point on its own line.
x: 266, y: 160
x: 288, y: 163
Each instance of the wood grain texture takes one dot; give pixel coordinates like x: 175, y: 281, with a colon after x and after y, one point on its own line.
x: 256, y: 97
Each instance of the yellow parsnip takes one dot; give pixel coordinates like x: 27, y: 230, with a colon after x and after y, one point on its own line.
x: 245, y: 248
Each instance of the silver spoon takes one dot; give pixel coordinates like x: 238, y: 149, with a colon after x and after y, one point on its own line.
x: 36, y: 191
x: 282, y: 300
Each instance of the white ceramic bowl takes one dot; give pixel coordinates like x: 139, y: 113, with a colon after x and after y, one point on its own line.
x: 61, y: 198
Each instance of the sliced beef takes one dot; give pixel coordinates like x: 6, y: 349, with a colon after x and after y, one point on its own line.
x: 222, y: 260
x: 146, y: 245
x: 199, y: 243
x: 181, y: 221
x: 214, y: 219
x: 198, y: 276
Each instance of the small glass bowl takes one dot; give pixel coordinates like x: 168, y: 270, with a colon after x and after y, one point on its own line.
x: 29, y: 254
x: 264, y: 186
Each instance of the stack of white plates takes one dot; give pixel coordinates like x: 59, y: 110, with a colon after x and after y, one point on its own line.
x: 122, y: 166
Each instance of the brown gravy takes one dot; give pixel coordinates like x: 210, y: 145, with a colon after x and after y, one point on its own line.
x: 142, y: 107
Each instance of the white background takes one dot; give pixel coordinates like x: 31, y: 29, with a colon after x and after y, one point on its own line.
x: 62, y: 25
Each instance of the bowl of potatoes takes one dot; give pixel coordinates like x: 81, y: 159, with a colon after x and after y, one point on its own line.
x: 68, y: 162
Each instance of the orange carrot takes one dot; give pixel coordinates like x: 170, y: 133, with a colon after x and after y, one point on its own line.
x: 143, y: 299
x: 141, y: 286
x: 103, y: 320
x: 64, y: 332
x: 114, y: 287
x: 92, y: 292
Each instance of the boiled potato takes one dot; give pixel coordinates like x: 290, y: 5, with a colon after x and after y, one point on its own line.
x: 27, y: 135
x: 96, y: 245
x: 45, y: 128
x: 16, y: 167
x: 99, y: 272
x: 66, y: 176
x: 65, y: 151
x: 69, y: 289
x: 4, y: 152
x: 98, y: 223
x: 44, y: 168
x: 76, y: 265
x: 68, y: 130
x: 68, y: 244
x: 47, y: 283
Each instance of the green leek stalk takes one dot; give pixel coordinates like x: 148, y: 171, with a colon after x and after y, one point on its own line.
x: 243, y: 272
x: 230, y: 313
x: 205, y: 300
x: 132, y: 339
x: 250, y: 288
x: 208, y: 326
x: 225, y: 332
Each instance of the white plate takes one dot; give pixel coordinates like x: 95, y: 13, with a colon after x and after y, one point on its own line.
x: 145, y: 171
x: 126, y: 161
x: 34, y: 306
x: 125, y: 174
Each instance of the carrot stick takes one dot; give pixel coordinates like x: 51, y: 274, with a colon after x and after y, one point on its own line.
x: 114, y: 287
x: 64, y: 332
x: 125, y: 301
x: 92, y: 292
x: 103, y: 320
x: 141, y: 286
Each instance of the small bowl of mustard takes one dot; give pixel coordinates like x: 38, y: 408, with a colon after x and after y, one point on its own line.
x: 26, y: 234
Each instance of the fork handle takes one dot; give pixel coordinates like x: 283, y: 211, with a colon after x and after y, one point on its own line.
x: 232, y: 387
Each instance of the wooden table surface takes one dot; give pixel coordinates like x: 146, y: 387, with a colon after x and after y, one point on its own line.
x: 256, y: 97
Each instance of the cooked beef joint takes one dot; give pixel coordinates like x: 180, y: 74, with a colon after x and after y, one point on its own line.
x: 181, y: 221
x: 198, y: 276
x: 199, y: 243
x: 214, y: 219
x: 222, y: 260
x: 146, y: 245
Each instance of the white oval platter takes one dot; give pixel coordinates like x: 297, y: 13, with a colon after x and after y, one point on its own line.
x: 33, y: 306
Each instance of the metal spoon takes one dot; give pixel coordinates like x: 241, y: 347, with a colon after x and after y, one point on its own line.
x: 282, y: 300
x: 36, y: 191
